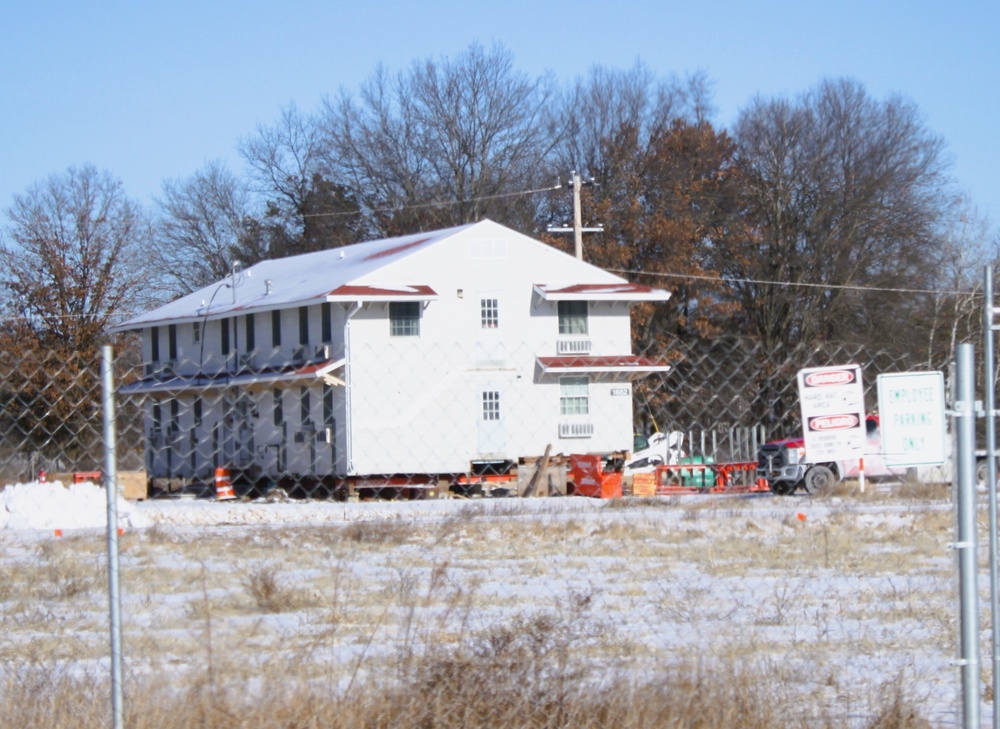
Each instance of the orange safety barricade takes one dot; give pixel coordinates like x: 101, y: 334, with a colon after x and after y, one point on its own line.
x: 223, y: 485
x: 589, y: 478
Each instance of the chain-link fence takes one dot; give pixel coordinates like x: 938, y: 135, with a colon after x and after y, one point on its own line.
x: 299, y: 427
x: 467, y: 612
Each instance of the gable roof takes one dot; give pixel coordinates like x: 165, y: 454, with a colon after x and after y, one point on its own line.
x: 345, y: 274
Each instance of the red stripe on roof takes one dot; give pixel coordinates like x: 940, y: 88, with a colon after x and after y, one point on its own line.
x: 396, y: 249
x: 363, y: 291
x: 617, y: 288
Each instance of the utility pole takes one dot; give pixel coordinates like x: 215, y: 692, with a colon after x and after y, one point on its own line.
x: 577, y: 230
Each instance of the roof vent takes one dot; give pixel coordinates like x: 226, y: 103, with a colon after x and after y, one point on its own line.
x: 267, y: 286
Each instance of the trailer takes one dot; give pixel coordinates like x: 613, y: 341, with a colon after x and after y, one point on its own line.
x: 589, y: 477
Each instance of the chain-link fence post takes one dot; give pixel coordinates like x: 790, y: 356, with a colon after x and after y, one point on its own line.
x: 965, y: 429
x: 111, y: 486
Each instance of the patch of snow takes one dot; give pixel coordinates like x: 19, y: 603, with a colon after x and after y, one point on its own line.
x: 50, y: 505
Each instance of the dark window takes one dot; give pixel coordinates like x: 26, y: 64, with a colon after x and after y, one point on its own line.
x: 172, y: 341
x: 572, y: 317
x: 303, y: 325
x: 251, y: 334
x: 328, y: 405
x: 224, y: 325
x: 327, y: 319
x: 275, y: 328
x: 154, y: 344
x: 306, y: 406
x: 279, y: 411
x: 404, y: 318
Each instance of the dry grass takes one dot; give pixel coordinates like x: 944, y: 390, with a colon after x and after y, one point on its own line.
x: 501, y: 614
x: 520, y: 675
x: 269, y: 595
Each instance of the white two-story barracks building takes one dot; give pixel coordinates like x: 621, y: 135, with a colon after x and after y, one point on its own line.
x: 426, y: 354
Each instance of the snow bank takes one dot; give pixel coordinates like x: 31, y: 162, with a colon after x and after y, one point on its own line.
x: 51, y: 505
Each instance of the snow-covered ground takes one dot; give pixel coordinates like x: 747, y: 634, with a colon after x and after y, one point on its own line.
x: 832, y: 598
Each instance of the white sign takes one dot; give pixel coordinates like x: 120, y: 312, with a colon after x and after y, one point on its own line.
x: 833, y: 413
x: 912, y: 418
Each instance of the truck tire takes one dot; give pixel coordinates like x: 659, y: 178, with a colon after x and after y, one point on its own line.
x: 982, y: 474
x: 819, y: 479
x: 781, y: 487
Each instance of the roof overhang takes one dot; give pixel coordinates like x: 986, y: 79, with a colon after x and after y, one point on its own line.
x: 382, y: 293
x: 342, y: 294
x: 176, y: 384
x: 630, y: 366
x: 600, y: 292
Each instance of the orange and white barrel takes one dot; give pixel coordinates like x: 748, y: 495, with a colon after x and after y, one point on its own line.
x: 223, y: 485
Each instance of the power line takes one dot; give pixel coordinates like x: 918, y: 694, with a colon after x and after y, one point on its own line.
x: 791, y: 284
x: 435, y: 204
x: 694, y: 277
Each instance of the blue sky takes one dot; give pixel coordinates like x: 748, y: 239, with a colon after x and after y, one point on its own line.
x: 152, y: 90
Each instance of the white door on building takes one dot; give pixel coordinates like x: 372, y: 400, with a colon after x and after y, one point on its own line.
x: 491, y: 431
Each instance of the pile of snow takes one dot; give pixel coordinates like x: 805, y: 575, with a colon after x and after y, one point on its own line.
x: 50, y: 505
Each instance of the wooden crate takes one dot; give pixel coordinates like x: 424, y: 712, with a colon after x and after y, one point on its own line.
x: 133, y: 484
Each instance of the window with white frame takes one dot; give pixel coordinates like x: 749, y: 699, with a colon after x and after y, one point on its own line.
x: 490, y: 313
x: 572, y: 317
x: 491, y: 405
x: 404, y: 318
x: 574, y: 396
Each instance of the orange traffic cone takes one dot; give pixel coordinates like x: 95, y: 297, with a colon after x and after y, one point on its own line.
x: 223, y: 485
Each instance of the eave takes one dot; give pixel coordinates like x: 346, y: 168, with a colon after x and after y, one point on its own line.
x: 630, y: 366
x: 600, y: 292
x: 178, y: 384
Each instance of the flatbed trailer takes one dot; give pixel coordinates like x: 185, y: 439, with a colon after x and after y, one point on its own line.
x: 588, y: 478
x: 726, y: 478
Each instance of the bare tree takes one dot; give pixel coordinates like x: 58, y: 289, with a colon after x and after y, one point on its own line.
x: 846, y: 197
x: 443, y: 143
x: 664, y: 187
x: 303, y: 210
x: 956, y: 310
x: 74, y: 261
x: 608, y: 120
x: 76, y: 258
x: 203, y: 228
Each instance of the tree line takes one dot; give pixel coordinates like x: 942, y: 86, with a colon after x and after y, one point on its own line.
x: 814, y: 218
